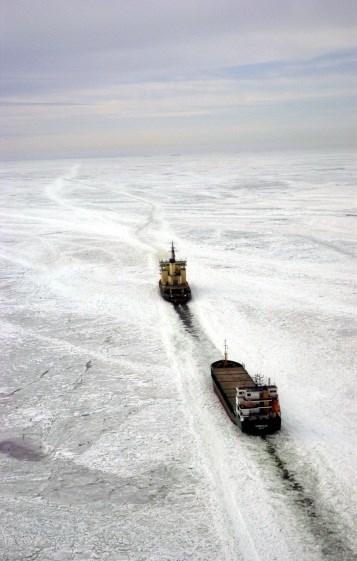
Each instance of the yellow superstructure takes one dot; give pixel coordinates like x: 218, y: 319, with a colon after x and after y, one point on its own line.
x: 173, y: 273
x: 173, y: 283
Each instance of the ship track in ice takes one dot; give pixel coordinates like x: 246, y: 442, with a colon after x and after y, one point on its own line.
x: 320, y: 522
x: 187, y: 319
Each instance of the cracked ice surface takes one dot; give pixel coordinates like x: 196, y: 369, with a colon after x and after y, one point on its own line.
x: 113, y: 445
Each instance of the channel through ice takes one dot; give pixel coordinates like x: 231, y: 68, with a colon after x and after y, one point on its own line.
x: 113, y: 445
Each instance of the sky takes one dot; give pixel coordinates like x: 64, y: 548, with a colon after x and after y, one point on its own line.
x: 85, y: 78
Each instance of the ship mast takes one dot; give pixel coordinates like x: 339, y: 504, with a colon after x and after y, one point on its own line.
x: 225, y: 352
x: 173, y: 259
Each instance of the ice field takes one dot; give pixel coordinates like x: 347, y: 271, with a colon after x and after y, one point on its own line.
x: 113, y: 445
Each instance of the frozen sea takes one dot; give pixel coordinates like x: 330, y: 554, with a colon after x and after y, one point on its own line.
x: 113, y: 445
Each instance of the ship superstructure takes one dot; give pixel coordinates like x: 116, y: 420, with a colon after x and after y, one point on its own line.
x: 173, y: 285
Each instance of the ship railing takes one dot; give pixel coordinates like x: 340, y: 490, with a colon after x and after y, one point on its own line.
x: 177, y: 262
x: 246, y: 404
x: 256, y: 415
x: 261, y: 387
x: 251, y: 411
x: 254, y: 409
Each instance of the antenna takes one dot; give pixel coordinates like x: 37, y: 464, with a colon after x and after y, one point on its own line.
x: 225, y: 352
x: 259, y: 380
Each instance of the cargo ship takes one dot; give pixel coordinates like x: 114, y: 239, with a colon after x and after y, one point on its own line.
x: 251, y: 405
x: 173, y: 285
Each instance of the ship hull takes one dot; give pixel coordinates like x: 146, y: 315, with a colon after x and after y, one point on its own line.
x: 259, y: 427
x: 175, y: 296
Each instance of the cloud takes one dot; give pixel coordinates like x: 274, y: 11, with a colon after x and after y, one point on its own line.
x: 90, y: 42
x: 87, y: 69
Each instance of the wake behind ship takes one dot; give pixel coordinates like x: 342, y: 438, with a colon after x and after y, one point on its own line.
x: 173, y: 285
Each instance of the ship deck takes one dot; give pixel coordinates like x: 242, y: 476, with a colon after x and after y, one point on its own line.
x: 230, y: 378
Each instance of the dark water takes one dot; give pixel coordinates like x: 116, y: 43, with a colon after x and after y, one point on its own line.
x: 187, y: 318
x: 323, y: 523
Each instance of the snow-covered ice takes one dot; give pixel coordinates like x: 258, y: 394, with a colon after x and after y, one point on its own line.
x: 113, y: 445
